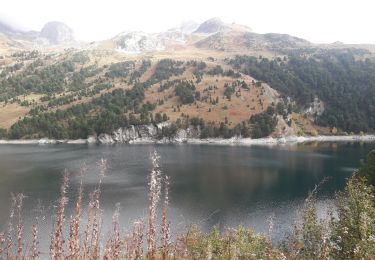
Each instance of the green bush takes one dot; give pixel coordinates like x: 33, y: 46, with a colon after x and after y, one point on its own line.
x: 367, y: 169
x: 186, y: 92
x: 354, y: 229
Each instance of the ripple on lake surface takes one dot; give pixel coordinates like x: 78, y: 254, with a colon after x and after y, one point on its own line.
x: 222, y: 186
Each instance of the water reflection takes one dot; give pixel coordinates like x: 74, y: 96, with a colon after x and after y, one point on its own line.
x: 210, y: 185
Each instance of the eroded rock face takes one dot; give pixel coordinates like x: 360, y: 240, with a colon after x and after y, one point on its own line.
x: 129, y: 134
x: 212, y: 25
x: 124, y: 135
x: 57, y: 33
x: 147, y: 133
x: 105, y: 139
x: 137, y: 42
x: 181, y: 136
x: 316, y: 108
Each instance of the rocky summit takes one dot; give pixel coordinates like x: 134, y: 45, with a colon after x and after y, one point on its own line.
x: 57, y: 33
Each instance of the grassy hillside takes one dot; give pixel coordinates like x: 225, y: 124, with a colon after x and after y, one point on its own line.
x: 343, y: 79
x: 73, y: 94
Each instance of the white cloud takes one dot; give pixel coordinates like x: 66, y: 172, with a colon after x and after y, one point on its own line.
x: 316, y: 20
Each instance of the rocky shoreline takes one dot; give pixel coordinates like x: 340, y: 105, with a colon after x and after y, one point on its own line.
x: 150, y: 134
x: 217, y: 141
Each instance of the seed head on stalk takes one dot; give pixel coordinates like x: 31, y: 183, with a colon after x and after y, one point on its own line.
x: 154, y: 196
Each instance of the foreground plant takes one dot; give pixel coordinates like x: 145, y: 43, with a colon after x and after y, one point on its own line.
x: 347, y: 234
x: 57, y: 239
x: 354, y: 230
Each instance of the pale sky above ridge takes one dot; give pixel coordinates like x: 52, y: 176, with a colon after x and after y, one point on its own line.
x: 319, y: 21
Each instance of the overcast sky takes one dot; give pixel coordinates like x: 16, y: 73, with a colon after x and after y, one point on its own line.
x: 320, y: 21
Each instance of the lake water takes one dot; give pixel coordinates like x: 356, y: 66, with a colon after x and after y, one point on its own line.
x: 211, y: 185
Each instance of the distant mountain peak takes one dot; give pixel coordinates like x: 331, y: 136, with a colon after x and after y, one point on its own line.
x: 57, y: 33
x: 215, y: 25
x: 212, y: 25
x: 186, y: 27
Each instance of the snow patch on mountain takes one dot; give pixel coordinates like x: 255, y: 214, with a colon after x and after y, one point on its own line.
x: 138, y: 42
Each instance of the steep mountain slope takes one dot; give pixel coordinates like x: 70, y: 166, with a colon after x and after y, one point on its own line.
x: 211, y: 34
x: 80, y: 93
x: 220, y: 79
x: 10, y: 39
x: 244, y: 41
x: 186, y: 27
x: 9, y: 45
x: 212, y: 25
x: 53, y: 35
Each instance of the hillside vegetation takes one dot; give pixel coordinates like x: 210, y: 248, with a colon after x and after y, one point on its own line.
x: 79, y: 98
x: 343, y: 79
x: 74, y: 94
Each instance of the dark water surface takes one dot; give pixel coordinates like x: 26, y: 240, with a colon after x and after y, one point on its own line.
x: 224, y: 186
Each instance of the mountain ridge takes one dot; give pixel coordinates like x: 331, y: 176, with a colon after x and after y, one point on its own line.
x: 212, y: 34
x: 225, y: 80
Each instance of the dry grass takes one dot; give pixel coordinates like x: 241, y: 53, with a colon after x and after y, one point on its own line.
x: 306, y: 126
x: 82, y: 238
x: 237, y: 110
x: 57, y: 239
x: 240, y: 108
x: 10, y: 113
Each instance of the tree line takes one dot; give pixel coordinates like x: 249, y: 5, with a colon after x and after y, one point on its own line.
x: 343, y: 79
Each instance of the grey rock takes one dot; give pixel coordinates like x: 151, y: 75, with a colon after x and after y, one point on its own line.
x: 105, y: 139
x: 57, y: 33
x: 145, y: 133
